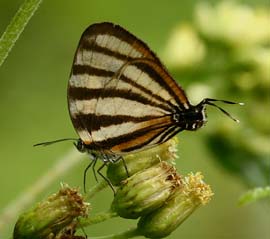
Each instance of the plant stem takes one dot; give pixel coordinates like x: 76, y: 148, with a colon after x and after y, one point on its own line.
x: 130, y: 233
x: 16, y: 27
x: 99, y: 217
x: 254, y: 195
x: 64, y: 164
x: 97, y: 188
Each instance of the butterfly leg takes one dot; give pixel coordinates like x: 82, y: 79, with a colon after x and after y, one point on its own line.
x: 106, y: 179
x: 91, y: 164
x: 94, y: 171
x: 124, y: 163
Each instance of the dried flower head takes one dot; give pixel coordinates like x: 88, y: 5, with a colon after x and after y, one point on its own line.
x: 51, y: 216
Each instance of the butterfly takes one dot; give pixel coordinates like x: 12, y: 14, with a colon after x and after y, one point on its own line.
x: 121, y: 98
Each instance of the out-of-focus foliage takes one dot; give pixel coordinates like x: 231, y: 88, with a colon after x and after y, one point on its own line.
x: 227, y: 47
x: 222, y: 53
x: 254, y: 195
x: 246, y: 149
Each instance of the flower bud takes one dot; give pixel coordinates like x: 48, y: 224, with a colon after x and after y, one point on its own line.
x: 145, y: 191
x: 161, y: 222
x: 142, y: 160
x: 51, y: 216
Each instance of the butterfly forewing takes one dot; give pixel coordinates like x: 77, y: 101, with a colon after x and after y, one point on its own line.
x: 121, y: 98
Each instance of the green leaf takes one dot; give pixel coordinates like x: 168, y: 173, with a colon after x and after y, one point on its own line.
x: 16, y: 27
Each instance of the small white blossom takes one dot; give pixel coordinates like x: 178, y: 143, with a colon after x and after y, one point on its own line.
x: 184, y: 48
x: 233, y: 23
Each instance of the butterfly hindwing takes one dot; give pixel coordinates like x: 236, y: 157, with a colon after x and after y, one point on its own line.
x: 120, y: 96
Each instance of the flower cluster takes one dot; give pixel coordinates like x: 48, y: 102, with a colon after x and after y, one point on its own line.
x: 192, y: 194
x: 157, y: 194
x: 153, y: 191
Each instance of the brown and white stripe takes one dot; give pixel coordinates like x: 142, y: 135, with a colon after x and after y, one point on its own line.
x: 121, y: 98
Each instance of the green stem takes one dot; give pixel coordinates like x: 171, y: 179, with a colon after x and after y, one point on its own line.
x: 16, y: 27
x: 254, y: 195
x: 97, y: 188
x: 130, y: 233
x: 100, y: 217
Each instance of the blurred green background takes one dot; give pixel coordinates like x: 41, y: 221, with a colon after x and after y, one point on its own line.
x: 34, y: 109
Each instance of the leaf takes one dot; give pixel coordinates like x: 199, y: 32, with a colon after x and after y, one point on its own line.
x: 16, y: 27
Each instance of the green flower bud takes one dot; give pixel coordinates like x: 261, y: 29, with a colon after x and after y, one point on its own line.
x: 145, y: 191
x: 51, y: 216
x: 162, y: 222
x: 142, y: 160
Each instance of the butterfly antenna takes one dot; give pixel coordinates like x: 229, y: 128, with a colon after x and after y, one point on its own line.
x: 209, y: 102
x: 53, y: 142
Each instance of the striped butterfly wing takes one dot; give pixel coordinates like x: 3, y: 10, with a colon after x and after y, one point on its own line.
x: 121, y: 99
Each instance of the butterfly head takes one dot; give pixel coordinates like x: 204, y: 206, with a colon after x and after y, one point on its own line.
x: 80, y: 145
x: 192, y: 118
x: 195, y: 117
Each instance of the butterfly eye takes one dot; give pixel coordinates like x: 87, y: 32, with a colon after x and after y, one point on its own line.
x: 80, y: 146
